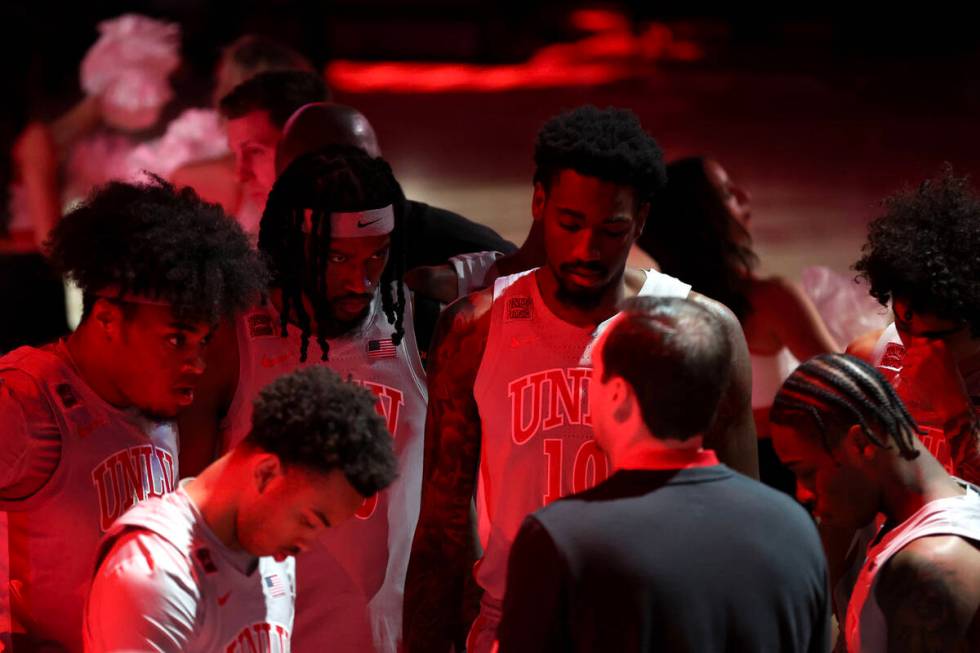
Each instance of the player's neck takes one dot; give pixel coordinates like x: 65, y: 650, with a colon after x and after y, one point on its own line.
x: 88, y: 356
x: 913, y: 484
x: 582, y: 315
x: 215, y: 495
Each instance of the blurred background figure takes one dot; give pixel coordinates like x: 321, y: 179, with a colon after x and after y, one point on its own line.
x: 698, y: 231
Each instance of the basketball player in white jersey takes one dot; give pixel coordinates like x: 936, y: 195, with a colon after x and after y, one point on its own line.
x: 921, y: 254
x: 209, y: 567
x: 507, y: 419
x: 86, y: 426
x: 333, y: 234
x: 916, y: 585
x: 437, y: 235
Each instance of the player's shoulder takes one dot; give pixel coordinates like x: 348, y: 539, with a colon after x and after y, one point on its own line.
x: 468, y: 313
x: 143, y: 588
x: 143, y: 560
x: 23, y: 400
x: 724, y: 314
x: 945, y: 567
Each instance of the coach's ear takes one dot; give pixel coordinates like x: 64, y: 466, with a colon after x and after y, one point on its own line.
x: 266, y: 468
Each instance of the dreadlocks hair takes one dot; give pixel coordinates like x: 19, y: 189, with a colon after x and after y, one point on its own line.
x: 923, y: 248
x: 839, y: 389
x: 153, y: 240
x: 337, y: 178
x: 609, y: 144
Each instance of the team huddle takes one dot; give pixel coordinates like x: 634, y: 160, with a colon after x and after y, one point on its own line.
x: 380, y: 427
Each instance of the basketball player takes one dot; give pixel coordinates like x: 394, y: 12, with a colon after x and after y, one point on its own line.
x: 507, y: 377
x: 474, y: 252
x: 921, y: 255
x: 844, y: 431
x: 209, y: 566
x: 86, y: 424
x: 333, y: 233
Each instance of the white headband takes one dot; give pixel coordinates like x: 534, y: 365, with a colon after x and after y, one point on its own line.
x: 358, y: 224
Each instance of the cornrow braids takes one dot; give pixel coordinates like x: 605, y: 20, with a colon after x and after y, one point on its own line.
x: 337, y: 178
x: 843, y: 389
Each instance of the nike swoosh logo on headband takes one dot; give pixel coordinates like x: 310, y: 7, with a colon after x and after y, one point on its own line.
x: 367, y: 224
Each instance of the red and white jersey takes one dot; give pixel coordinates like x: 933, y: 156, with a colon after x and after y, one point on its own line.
x: 888, y: 358
x: 167, y: 583
x: 531, y: 391
x: 866, y: 630
x: 350, y: 587
x: 110, y: 460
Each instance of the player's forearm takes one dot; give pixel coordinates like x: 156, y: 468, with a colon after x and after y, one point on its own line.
x: 435, y: 596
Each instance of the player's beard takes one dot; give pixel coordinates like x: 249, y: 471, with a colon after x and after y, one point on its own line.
x: 330, y: 326
x: 584, y: 298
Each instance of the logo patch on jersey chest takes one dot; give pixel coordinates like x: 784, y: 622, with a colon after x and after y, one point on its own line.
x: 519, y: 308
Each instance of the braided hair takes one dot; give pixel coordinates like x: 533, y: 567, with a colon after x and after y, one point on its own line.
x: 841, y: 389
x: 337, y: 178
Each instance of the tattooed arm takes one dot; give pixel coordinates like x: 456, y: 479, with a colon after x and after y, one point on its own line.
x: 929, y: 593
x: 732, y: 435
x: 445, y: 545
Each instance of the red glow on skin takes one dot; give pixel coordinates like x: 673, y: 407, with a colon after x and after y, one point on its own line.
x: 610, y: 52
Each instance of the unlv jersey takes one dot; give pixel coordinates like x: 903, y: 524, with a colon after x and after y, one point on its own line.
x: 960, y: 458
x: 531, y: 391
x: 184, y: 589
x: 110, y: 460
x: 362, y: 563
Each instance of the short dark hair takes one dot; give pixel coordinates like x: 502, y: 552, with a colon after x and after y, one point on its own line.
x: 280, y: 92
x: 836, y: 391
x: 609, y: 144
x: 313, y: 419
x: 150, y: 239
x: 256, y: 53
x: 925, y: 248
x: 334, y: 178
x: 676, y: 356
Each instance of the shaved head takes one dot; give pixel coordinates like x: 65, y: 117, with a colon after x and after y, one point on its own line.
x: 320, y: 124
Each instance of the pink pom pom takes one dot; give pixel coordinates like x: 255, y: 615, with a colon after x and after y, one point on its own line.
x: 128, y: 68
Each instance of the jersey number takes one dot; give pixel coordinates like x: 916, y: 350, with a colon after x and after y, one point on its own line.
x: 590, y: 468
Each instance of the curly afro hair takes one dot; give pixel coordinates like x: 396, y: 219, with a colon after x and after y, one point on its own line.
x: 150, y: 239
x: 313, y: 419
x: 606, y: 143
x: 926, y: 248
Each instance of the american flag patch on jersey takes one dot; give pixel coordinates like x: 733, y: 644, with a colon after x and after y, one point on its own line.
x: 275, y: 585
x: 383, y: 348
